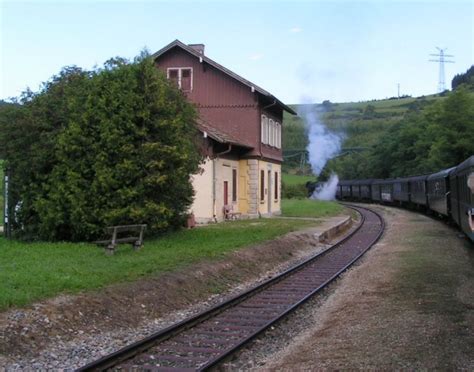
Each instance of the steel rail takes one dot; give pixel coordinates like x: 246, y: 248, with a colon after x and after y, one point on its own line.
x: 131, y: 351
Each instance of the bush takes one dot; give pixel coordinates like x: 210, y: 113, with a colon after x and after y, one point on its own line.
x: 96, y: 148
x: 297, y: 191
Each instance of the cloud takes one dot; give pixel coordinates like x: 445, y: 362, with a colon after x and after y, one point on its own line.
x: 256, y: 56
x: 295, y: 30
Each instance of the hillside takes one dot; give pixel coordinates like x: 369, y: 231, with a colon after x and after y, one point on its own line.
x: 362, y: 125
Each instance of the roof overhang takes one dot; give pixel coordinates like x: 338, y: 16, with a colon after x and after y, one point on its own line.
x: 218, y: 135
x: 202, y: 59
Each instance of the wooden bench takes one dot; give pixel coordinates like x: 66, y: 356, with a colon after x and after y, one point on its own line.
x: 115, y: 231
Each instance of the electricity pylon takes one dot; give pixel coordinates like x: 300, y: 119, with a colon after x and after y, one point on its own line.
x: 441, y: 59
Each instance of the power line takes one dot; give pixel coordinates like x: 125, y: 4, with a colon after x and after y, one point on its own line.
x: 441, y: 59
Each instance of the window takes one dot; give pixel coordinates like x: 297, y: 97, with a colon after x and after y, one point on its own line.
x: 182, y: 77
x: 262, y: 185
x: 275, y: 134
x: 264, y: 128
x: 173, y: 76
x: 278, y: 136
x: 186, y: 79
x: 271, y: 132
x: 234, y: 185
x: 276, y: 185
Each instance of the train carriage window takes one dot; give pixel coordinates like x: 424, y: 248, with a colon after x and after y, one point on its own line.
x: 470, y: 182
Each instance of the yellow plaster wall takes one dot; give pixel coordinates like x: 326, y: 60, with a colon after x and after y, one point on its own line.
x: 269, y: 188
x: 243, y: 186
x: 202, y: 206
x: 223, y: 169
x: 211, y: 179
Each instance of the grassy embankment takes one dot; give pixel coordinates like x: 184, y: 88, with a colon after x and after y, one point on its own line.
x: 361, y: 124
x: 33, y: 271
x: 1, y: 193
x: 309, y: 208
x: 294, y: 179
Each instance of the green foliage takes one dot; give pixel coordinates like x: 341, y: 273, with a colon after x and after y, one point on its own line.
x: 73, y: 267
x: 294, y: 179
x: 96, y: 148
x: 298, y: 191
x: 466, y: 79
x: 294, y: 186
x: 1, y: 193
x: 310, y: 208
x: 402, y: 137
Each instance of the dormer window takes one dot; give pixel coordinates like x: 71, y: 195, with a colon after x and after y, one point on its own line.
x: 182, y: 77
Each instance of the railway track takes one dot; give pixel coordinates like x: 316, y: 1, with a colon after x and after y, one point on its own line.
x: 204, y: 340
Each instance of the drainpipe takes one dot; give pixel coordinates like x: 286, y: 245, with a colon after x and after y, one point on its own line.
x: 214, y: 207
x: 270, y: 105
x: 225, y: 151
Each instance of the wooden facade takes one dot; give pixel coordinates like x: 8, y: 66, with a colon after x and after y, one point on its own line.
x: 232, y: 111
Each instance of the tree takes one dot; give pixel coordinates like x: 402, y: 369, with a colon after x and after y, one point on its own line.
x: 466, y: 79
x: 104, y: 147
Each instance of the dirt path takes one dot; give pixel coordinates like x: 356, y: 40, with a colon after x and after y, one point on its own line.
x: 408, y: 304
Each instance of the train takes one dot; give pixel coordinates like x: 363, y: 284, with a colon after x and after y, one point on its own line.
x: 448, y: 193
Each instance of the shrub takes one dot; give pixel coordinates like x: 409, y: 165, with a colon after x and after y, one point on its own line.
x: 297, y: 191
x: 96, y: 148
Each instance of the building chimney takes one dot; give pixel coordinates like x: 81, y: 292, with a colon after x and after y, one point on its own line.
x: 198, y: 48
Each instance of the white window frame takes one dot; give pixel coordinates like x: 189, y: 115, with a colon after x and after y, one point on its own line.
x: 180, y: 69
x: 278, y: 138
x: 271, y: 124
x: 264, y: 128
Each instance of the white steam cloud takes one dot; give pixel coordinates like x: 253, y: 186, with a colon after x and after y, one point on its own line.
x: 328, y: 190
x: 323, y: 145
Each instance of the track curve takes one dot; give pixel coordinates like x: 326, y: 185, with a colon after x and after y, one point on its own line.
x: 202, y: 341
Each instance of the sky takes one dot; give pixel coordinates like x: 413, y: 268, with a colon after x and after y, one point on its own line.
x: 299, y: 51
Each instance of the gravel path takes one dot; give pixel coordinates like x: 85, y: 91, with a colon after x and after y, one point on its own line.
x: 408, y: 304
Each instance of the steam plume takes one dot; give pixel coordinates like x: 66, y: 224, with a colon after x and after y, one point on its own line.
x: 328, y: 190
x: 322, y: 146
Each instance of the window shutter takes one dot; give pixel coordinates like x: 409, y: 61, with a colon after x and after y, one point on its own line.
x: 271, y: 129
x: 265, y: 141
x: 186, y: 77
x: 234, y: 185
x: 279, y: 135
x: 276, y: 185
x: 173, y: 76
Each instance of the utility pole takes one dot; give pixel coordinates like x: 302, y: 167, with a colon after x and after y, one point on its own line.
x: 441, y: 59
x: 398, y: 85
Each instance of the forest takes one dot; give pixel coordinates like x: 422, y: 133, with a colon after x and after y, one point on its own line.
x: 393, y: 137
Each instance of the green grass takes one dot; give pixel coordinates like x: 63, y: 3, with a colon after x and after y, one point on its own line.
x: 293, y: 179
x: 309, y: 208
x: 33, y: 271
x: 1, y: 193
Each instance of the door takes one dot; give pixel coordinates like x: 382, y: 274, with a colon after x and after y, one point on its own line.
x: 226, y: 192
x: 269, y: 193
